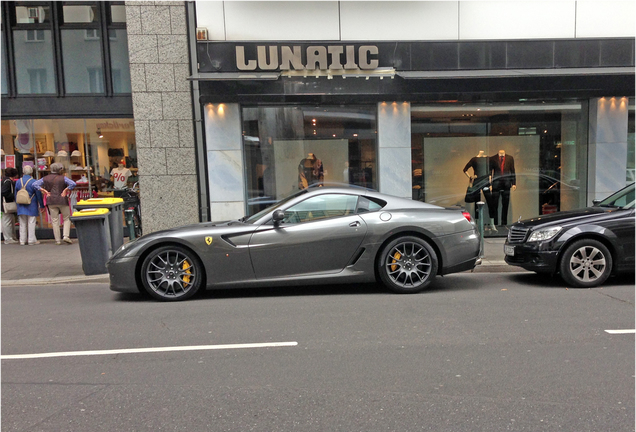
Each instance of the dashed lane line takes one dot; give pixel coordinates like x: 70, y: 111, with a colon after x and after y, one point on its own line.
x: 148, y: 350
x: 627, y: 331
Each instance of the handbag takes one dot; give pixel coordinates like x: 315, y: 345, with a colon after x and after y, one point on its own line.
x: 9, y: 207
x: 472, y: 193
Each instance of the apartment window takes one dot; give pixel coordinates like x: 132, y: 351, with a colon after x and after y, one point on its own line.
x: 35, y: 35
x: 35, y: 58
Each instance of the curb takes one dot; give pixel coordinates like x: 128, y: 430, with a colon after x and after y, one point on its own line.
x: 58, y: 280
x: 490, y: 267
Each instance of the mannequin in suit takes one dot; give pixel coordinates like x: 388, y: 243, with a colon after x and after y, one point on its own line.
x: 481, y: 176
x: 502, y: 168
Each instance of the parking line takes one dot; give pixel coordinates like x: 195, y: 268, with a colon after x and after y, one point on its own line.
x: 621, y: 331
x: 147, y: 350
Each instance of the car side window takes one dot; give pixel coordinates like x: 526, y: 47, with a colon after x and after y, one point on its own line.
x: 321, y: 207
x: 366, y: 205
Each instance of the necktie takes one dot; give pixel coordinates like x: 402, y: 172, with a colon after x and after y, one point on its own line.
x: 501, y: 161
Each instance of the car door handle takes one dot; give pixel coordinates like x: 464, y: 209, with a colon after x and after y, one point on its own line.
x: 354, y: 224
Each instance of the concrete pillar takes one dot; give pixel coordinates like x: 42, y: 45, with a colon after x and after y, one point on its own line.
x: 224, y: 141
x: 607, y: 162
x: 394, y: 148
x: 162, y: 106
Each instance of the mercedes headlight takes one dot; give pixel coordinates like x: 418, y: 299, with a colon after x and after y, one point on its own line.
x: 544, y: 234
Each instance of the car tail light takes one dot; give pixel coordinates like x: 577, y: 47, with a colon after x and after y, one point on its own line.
x: 466, y: 215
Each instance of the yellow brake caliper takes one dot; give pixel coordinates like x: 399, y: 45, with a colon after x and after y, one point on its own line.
x: 396, y: 257
x: 186, y: 266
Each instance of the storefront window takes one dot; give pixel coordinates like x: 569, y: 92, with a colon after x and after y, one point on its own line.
x: 292, y: 148
x: 85, y: 73
x: 34, y: 60
x: 544, y: 149
x: 98, y: 154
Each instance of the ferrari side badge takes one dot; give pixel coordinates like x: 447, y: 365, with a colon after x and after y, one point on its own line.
x: 208, y: 240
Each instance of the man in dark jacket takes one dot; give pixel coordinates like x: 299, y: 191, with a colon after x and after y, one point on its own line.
x: 8, y: 195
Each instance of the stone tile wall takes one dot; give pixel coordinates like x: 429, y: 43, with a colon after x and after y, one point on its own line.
x: 162, y: 104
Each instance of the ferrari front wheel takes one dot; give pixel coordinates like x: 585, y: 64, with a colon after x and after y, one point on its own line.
x: 171, y: 273
x: 407, y: 265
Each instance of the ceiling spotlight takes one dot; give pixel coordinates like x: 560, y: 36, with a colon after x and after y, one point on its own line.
x: 99, y: 133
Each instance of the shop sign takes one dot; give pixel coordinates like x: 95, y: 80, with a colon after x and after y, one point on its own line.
x: 9, y: 161
x: 116, y: 125
x: 312, y: 57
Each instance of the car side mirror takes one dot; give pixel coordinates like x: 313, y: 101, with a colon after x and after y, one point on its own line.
x: 278, y: 216
x: 596, y: 202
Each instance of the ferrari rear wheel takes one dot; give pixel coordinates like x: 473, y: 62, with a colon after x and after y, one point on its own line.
x: 172, y: 273
x: 407, y: 265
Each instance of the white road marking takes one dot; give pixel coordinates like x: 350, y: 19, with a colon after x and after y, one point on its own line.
x: 620, y: 331
x: 147, y: 350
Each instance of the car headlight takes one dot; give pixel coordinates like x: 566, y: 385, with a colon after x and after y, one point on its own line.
x: 544, y: 234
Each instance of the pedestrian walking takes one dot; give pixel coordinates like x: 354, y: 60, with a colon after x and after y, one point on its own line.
x: 56, y: 187
x: 27, y: 213
x: 8, y: 205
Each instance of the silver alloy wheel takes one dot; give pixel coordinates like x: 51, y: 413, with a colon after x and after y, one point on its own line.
x: 171, y: 274
x: 587, y: 264
x: 408, y: 264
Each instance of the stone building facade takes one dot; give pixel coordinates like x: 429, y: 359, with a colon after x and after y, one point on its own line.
x: 162, y: 105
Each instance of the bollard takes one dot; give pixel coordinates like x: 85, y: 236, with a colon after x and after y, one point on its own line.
x: 130, y: 223
x: 480, y: 217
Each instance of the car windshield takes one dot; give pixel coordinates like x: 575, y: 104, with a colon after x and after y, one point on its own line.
x: 260, y: 214
x: 624, y: 198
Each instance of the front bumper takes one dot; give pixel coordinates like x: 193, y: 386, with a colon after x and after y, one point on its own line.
x: 122, y: 275
x: 533, y: 256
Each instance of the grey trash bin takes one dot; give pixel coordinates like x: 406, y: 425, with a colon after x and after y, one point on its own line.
x: 115, y: 218
x: 93, y: 234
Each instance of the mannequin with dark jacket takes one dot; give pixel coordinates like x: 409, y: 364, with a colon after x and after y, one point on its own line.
x: 502, y: 167
x: 481, y: 177
x: 310, y: 171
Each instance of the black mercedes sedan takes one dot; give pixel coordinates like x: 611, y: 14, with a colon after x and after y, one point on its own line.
x: 584, y: 246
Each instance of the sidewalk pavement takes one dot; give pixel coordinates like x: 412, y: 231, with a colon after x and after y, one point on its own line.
x: 48, y: 263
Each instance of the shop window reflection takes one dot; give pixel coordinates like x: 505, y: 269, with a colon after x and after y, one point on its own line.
x: 541, y: 147
x: 292, y: 148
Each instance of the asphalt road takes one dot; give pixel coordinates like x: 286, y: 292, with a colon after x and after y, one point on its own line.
x: 477, y: 352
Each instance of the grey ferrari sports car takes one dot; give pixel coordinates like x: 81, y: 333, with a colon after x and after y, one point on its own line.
x: 315, y: 236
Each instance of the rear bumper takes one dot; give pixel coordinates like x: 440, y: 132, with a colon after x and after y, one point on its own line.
x: 462, y: 252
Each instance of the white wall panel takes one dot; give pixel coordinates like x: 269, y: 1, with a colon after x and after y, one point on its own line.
x: 279, y: 21
x: 399, y: 20
x: 516, y: 19
x: 605, y: 19
x: 210, y: 16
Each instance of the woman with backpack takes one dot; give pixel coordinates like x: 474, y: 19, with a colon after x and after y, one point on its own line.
x: 27, y: 212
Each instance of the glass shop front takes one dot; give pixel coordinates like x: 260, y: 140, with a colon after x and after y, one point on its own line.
x: 100, y: 155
